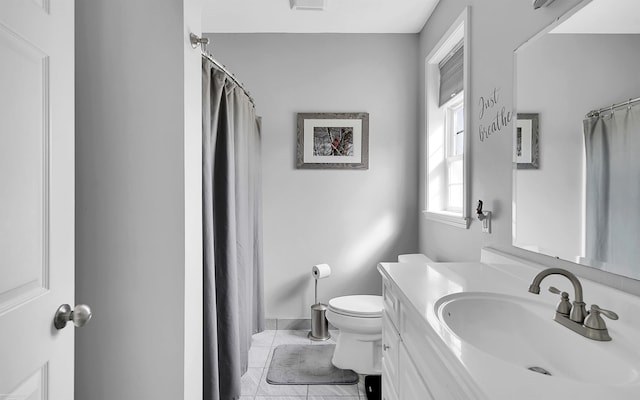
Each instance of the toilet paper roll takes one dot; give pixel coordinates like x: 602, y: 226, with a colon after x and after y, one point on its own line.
x: 321, y: 271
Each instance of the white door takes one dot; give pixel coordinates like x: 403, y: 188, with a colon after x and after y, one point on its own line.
x: 36, y: 197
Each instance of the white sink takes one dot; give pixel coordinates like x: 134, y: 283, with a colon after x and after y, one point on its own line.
x: 522, y: 332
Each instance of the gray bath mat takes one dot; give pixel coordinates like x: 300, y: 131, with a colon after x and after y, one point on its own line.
x: 307, y: 364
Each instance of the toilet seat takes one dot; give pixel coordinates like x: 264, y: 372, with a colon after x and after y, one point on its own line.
x: 361, y: 306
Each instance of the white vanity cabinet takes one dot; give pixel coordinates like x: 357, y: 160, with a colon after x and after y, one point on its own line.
x: 390, y: 344
x: 401, y: 379
x: 411, y: 384
x: 390, y: 359
x: 449, y: 333
x: 414, y: 365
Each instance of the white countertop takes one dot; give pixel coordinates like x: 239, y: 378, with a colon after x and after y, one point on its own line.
x: 422, y: 285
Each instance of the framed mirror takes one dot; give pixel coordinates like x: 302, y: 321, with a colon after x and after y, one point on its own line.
x: 581, y: 78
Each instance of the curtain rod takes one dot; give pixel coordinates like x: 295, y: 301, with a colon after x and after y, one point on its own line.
x: 628, y: 103
x: 203, y: 42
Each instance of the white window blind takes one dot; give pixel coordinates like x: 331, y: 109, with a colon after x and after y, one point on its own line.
x: 451, y: 74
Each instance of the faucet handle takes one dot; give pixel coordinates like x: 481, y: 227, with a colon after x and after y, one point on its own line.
x: 607, y: 313
x: 564, y: 307
x: 596, y: 328
x: 555, y: 290
x: 595, y: 321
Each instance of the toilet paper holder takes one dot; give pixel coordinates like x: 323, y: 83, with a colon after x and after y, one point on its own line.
x: 319, y: 324
x: 319, y: 271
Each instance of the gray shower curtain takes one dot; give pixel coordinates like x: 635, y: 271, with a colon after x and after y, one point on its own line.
x: 612, y: 220
x: 233, y: 271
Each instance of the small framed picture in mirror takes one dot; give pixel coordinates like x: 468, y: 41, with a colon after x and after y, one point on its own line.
x: 526, y: 142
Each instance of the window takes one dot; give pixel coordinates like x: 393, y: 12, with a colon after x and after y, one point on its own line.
x: 454, y: 150
x: 446, y: 109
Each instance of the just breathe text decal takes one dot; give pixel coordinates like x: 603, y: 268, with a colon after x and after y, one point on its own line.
x: 497, y: 117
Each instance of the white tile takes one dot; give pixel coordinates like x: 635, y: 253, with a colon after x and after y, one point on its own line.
x: 333, y: 390
x: 281, y: 398
x: 335, y: 398
x: 266, y: 389
x: 250, y: 381
x: 291, y: 337
x: 263, y: 339
x: 258, y: 356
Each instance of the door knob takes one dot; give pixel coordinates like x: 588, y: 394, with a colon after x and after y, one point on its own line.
x: 80, y: 315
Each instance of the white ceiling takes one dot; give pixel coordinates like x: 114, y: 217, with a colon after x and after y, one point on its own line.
x: 340, y: 16
x: 604, y: 16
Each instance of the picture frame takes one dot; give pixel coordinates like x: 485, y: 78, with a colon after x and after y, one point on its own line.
x: 526, y: 143
x: 333, y: 141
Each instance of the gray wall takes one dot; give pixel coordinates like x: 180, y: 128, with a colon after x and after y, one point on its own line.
x: 498, y: 27
x: 132, y: 263
x: 349, y: 219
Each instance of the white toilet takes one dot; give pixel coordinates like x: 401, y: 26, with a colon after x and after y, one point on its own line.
x: 359, y: 320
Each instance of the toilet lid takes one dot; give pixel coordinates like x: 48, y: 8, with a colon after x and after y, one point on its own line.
x: 360, y: 305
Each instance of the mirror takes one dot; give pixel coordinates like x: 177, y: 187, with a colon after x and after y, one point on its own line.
x: 563, y: 204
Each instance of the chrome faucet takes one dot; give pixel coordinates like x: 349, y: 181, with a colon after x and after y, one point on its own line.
x: 579, y: 309
x: 576, y: 317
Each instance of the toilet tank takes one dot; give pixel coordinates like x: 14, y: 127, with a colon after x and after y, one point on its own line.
x: 415, y: 258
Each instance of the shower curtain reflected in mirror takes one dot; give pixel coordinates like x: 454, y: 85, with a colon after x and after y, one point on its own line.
x: 612, y: 203
x: 233, y: 271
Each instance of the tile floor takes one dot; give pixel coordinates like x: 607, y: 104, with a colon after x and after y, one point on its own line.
x: 255, y: 386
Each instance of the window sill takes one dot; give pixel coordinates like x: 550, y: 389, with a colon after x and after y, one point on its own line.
x: 448, y: 218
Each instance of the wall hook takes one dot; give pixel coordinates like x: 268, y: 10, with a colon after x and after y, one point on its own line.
x: 198, y: 41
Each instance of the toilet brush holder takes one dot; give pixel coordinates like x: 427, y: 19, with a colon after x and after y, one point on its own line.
x: 319, y: 323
